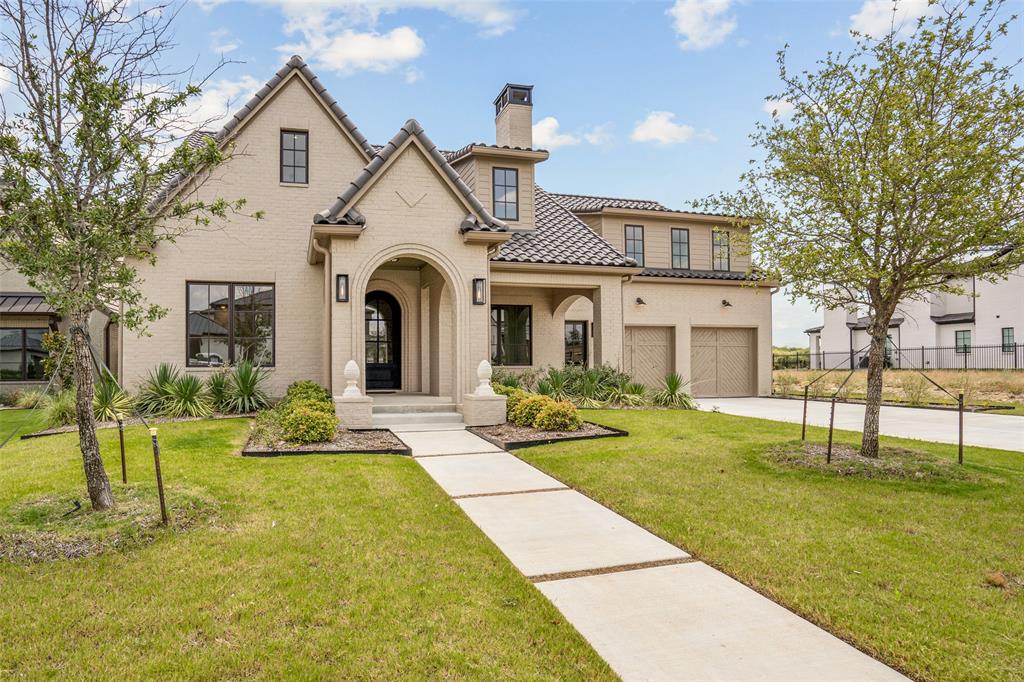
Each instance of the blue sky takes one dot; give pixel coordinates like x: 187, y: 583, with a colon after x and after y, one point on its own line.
x: 642, y: 99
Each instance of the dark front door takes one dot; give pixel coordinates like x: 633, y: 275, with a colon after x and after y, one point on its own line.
x: 383, y: 342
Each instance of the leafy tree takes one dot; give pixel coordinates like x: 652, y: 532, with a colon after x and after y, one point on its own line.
x: 90, y: 150
x: 899, y: 171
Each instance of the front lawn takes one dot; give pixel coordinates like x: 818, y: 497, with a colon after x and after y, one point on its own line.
x: 315, y: 566
x: 928, y: 576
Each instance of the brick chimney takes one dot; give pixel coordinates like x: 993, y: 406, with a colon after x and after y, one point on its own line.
x: 513, y: 111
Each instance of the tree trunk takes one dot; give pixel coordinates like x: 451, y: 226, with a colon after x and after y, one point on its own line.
x: 95, y: 475
x: 876, y: 366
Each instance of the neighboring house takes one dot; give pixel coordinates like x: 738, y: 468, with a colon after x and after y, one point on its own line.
x: 981, y: 329
x: 419, y: 263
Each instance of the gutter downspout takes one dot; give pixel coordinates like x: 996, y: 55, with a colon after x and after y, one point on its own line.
x: 328, y: 327
x: 626, y: 279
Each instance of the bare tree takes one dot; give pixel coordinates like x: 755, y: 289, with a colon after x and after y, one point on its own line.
x: 91, y: 148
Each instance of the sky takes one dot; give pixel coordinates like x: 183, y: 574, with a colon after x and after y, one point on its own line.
x: 650, y: 100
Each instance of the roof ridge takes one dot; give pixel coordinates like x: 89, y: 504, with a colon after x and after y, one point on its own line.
x: 598, y: 196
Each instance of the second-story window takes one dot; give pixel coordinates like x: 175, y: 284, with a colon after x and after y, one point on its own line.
x: 506, y: 194
x: 294, y: 156
x: 680, y: 248
x: 719, y: 250
x: 635, y: 243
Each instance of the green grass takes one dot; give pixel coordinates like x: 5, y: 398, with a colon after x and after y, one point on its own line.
x: 333, y: 567
x: 896, y: 567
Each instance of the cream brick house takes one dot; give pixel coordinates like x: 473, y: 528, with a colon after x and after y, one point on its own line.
x: 418, y: 263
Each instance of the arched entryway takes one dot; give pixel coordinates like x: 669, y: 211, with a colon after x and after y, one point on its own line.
x: 383, y: 338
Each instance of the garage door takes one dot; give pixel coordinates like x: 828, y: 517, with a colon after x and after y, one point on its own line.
x: 650, y: 354
x: 722, y: 361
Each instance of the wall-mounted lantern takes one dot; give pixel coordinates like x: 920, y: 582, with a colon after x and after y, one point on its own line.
x: 640, y: 301
x: 341, y: 288
x: 726, y: 304
x: 479, y: 291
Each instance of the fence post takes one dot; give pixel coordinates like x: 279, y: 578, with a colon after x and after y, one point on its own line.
x: 960, y: 405
x: 831, y: 421
x: 922, y: 358
x: 120, y: 437
x: 159, y: 477
x: 803, y: 429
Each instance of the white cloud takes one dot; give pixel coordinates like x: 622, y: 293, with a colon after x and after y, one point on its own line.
x: 778, y: 107
x: 600, y: 135
x: 412, y: 74
x: 877, y: 18
x: 222, y: 42
x: 6, y: 79
x: 702, y: 23
x: 219, y: 100
x: 547, y: 136
x: 660, y: 127
x: 349, y: 51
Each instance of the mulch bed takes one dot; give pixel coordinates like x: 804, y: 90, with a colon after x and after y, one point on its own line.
x: 511, y: 437
x: 366, y: 442
x: 892, y: 462
x: 135, y: 421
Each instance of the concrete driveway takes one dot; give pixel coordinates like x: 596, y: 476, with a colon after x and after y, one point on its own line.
x: 1005, y: 432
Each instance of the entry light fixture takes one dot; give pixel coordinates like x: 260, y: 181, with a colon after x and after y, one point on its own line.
x: 640, y: 301
x: 479, y: 291
x: 726, y: 304
x: 341, y: 288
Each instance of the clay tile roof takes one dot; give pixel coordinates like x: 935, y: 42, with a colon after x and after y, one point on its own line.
x: 24, y: 304
x: 559, y: 238
x: 584, y: 203
x: 753, y: 276
x: 454, y: 156
x: 479, y: 220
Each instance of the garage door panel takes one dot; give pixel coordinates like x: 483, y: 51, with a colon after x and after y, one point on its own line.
x: 650, y: 354
x: 722, y: 361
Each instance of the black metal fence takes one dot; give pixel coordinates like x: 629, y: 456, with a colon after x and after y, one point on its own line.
x: 1000, y: 356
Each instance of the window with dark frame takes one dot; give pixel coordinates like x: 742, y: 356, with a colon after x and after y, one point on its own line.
x: 576, y: 342
x: 511, y: 335
x: 963, y: 341
x: 230, y: 322
x: 294, y: 156
x: 680, y: 248
x: 506, y: 193
x: 719, y: 250
x: 22, y: 354
x: 635, y: 243
x: 1009, y: 345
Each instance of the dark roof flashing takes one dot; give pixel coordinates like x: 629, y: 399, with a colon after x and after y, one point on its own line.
x: 953, y: 318
x: 725, y: 275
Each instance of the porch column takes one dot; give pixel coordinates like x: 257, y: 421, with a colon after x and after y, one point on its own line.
x: 607, y: 324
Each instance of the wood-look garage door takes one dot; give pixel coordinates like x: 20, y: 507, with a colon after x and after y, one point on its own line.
x: 650, y: 353
x: 722, y: 362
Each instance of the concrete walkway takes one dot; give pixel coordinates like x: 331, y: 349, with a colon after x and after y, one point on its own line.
x: 1005, y: 432
x: 646, y: 606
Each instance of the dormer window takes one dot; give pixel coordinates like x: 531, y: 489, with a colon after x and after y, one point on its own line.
x: 506, y: 194
x: 294, y: 156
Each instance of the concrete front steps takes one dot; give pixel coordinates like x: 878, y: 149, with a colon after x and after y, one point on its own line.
x: 414, y: 412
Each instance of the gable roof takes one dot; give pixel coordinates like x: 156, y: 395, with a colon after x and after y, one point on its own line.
x: 559, y: 238
x: 585, y: 203
x: 342, y: 213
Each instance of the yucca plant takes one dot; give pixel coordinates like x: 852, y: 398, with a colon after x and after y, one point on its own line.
x: 558, y: 380
x: 155, y: 393
x: 591, y: 395
x: 218, y: 386
x: 628, y: 394
x: 673, y: 393
x: 188, y: 398
x: 245, y: 389
x: 110, y: 402
x: 544, y: 388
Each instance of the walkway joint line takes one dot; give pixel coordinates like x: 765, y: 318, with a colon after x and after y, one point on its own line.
x: 547, y: 577
x: 455, y: 454
x: 511, y: 492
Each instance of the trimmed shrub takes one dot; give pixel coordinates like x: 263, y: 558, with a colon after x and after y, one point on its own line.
x: 527, y: 409
x: 558, y: 416
x: 59, y: 409
x: 110, y: 402
x: 245, y: 389
x: 303, y: 424
x: 188, y: 398
x: 309, y: 404
x: 308, y: 390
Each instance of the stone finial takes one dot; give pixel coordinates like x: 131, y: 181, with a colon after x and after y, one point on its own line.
x: 483, y: 373
x: 352, y: 379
